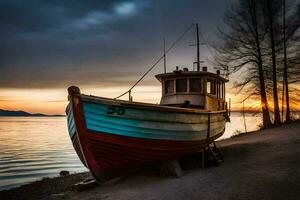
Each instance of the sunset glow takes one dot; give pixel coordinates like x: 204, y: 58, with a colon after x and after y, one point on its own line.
x: 54, y: 101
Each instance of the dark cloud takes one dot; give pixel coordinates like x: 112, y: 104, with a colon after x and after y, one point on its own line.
x: 39, y: 15
x: 53, y: 43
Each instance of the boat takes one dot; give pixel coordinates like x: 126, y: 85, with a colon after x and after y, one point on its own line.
x: 114, y: 137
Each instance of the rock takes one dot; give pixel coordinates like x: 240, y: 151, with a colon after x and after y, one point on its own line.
x: 56, y: 196
x: 85, y: 185
x: 64, y: 173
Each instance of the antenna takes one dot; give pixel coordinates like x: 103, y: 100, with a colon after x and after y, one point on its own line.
x: 165, y: 64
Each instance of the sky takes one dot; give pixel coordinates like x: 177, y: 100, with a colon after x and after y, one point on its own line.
x: 101, y: 46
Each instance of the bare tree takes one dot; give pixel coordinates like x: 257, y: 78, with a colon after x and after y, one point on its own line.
x: 290, y: 26
x: 242, y: 49
x: 272, y: 9
x: 286, y: 22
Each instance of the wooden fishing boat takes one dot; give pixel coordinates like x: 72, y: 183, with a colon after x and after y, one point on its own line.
x: 113, y: 137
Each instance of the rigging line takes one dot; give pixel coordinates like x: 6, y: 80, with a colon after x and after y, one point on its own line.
x: 169, y: 49
x: 206, y: 43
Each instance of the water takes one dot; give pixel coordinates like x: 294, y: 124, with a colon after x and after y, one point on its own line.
x: 237, y: 125
x: 36, y: 147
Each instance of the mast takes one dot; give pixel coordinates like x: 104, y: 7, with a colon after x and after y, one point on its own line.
x: 198, y: 48
x: 165, y: 64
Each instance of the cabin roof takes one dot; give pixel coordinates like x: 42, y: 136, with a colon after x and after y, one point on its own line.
x: 187, y: 74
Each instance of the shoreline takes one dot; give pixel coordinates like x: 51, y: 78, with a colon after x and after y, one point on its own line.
x: 258, y: 165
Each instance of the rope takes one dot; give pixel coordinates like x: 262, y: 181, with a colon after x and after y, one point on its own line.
x: 160, y: 58
x: 208, y: 46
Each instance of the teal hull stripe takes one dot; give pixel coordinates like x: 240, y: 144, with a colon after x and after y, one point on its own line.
x: 99, y: 109
x: 98, y: 120
x: 140, y: 114
x: 133, y: 123
x: 137, y: 131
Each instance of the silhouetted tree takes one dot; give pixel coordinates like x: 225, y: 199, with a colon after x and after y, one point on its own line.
x: 272, y: 10
x: 285, y: 83
x: 285, y: 24
x: 261, y: 44
x: 242, y: 49
x: 290, y: 26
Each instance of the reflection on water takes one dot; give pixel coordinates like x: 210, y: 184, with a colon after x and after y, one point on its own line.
x: 36, y: 147
x: 253, y: 123
x: 237, y: 125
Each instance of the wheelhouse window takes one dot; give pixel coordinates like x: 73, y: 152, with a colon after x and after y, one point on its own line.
x: 169, y: 86
x: 195, y: 85
x: 181, y: 85
x: 211, y: 86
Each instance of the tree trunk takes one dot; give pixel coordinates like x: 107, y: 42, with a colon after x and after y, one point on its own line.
x: 263, y: 99
x: 263, y: 96
x: 275, y: 93
x: 285, y: 74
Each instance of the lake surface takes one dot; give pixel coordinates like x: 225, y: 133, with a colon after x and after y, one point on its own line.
x: 36, y: 147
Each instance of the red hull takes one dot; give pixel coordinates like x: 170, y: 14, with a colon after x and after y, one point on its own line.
x: 109, y: 156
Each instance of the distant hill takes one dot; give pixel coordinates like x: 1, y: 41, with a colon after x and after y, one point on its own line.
x: 19, y: 113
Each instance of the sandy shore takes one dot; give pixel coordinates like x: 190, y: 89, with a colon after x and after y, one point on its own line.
x: 258, y: 165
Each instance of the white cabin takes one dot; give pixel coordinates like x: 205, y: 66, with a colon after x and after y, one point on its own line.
x: 193, y: 89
